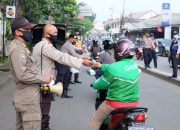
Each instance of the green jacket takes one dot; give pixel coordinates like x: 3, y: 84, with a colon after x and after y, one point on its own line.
x: 121, y: 79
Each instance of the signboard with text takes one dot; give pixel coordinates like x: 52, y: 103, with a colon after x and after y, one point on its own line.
x: 10, y: 12
x: 166, y: 15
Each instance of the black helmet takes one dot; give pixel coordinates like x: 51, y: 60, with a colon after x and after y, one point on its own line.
x: 95, y: 42
x: 151, y: 35
x: 124, y: 49
x: 107, y: 44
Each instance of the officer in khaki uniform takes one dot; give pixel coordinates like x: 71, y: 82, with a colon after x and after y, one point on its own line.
x: 24, y: 72
x: 45, y: 54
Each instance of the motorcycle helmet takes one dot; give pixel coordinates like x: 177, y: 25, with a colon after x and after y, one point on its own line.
x: 107, y: 44
x: 95, y: 42
x: 151, y: 35
x: 123, y: 49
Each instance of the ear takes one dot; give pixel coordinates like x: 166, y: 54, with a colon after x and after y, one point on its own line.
x: 18, y: 33
x: 47, y: 35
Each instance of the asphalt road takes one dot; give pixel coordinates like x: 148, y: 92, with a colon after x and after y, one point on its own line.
x: 159, y: 96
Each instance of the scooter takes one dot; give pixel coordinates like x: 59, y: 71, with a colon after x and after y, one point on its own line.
x: 139, y: 53
x: 129, y: 118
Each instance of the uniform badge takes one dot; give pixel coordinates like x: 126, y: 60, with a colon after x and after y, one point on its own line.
x: 22, y: 56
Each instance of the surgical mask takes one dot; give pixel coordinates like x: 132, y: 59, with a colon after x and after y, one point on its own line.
x: 53, y: 39
x: 27, y: 35
x: 176, y: 36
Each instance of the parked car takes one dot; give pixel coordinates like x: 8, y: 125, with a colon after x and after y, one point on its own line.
x: 163, y: 46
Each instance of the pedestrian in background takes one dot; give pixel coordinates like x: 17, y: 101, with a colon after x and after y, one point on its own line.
x: 174, y: 53
x: 45, y: 54
x: 153, y: 50
x: 25, y: 74
x: 148, y: 45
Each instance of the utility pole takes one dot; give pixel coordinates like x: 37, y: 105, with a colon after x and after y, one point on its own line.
x: 3, y: 36
x: 122, y: 19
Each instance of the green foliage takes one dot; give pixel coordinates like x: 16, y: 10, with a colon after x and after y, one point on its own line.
x: 63, y: 11
x: 5, y: 1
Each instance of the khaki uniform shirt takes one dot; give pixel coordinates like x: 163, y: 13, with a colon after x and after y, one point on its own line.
x: 24, y: 72
x: 70, y: 49
x: 51, y: 54
x: 148, y: 43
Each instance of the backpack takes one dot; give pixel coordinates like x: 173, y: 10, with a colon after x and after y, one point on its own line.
x: 174, y: 47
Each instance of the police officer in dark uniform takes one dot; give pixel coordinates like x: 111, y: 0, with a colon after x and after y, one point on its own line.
x: 174, y: 53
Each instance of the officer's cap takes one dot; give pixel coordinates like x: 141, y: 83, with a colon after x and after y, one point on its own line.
x: 22, y: 23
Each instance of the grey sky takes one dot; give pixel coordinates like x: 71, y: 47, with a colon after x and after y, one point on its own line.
x: 103, y: 11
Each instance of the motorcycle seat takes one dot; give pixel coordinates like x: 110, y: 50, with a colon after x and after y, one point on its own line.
x: 128, y: 110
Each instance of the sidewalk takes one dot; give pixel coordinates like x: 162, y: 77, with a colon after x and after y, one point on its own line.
x: 160, y: 72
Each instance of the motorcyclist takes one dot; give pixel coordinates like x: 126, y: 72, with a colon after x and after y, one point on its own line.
x: 121, y: 79
x: 107, y: 57
x: 95, y: 49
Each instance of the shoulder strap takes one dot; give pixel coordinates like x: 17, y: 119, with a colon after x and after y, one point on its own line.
x: 41, y: 58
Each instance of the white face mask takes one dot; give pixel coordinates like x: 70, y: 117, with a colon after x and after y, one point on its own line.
x: 176, y: 36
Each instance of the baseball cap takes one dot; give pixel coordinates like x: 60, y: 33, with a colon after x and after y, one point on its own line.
x: 22, y: 23
x: 73, y: 36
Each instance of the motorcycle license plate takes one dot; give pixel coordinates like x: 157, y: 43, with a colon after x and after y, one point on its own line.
x: 140, y: 128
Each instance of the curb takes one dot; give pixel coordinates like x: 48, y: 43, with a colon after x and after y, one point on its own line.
x: 159, y: 74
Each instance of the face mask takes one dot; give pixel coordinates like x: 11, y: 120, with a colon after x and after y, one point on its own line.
x: 73, y: 42
x: 176, y: 36
x: 27, y: 36
x: 53, y: 39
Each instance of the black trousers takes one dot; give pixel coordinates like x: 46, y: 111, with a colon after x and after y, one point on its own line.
x: 154, y: 57
x: 45, y: 109
x: 174, y: 65
x: 147, y: 56
x: 64, y: 78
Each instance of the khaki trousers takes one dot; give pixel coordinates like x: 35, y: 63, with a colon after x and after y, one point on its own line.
x: 98, y: 117
x: 28, y: 116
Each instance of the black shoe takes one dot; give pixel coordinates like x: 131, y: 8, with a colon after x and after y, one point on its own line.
x: 70, y: 82
x: 66, y: 96
x: 149, y: 66
x: 76, y: 81
x: 53, y: 99
x: 46, y: 129
x: 172, y: 77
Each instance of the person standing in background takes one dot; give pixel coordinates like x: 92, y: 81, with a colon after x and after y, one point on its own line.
x: 148, y: 45
x: 174, y: 53
x: 153, y: 50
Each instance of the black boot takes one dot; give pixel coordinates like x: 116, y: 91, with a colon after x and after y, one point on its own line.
x: 65, y: 95
x: 76, y: 76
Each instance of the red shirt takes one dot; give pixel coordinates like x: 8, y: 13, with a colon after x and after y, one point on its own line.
x: 116, y: 104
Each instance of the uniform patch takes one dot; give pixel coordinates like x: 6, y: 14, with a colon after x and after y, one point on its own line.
x: 22, y: 57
